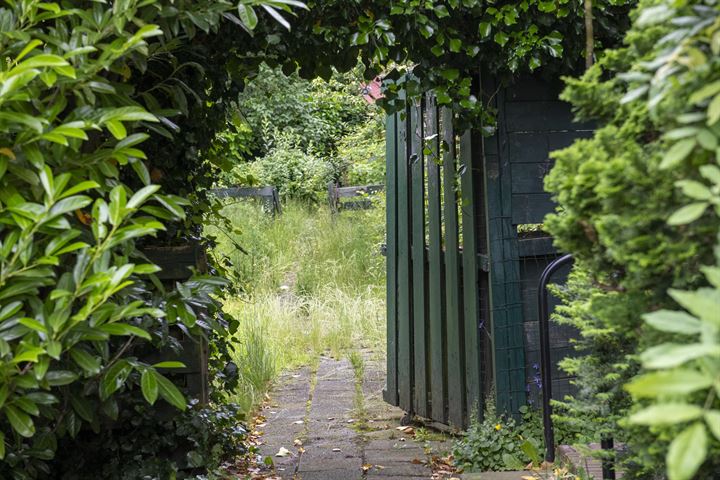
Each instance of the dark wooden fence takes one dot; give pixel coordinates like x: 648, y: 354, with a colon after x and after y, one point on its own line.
x: 464, y: 252
x: 268, y: 195
x: 351, y: 197
x: 177, y: 264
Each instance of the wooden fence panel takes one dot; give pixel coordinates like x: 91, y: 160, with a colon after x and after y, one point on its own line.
x: 471, y: 306
x: 436, y: 290
x: 404, y: 340
x: 419, y: 327
x: 455, y: 346
x: 391, y: 154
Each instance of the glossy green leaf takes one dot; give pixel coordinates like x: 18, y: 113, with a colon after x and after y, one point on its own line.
x: 678, y: 152
x: 27, y: 405
x: 712, y: 419
x: 141, y: 196
x: 669, y: 383
x: 149, y: 386
x: 82, y: 407
x: 170, y: 392
x: 703, y: 303
x: 117, y: 205
x: 86, y: 361
x: 117, y: 129
x: 669, y: 355
x: 124, y: 329
x: 687, y: 452
x: 667, y: 414
x: 674, y: 322
x: 57, y: 378
x: 20, y: 421
x: 247, y: 16
x: 688, y: 213
x: 169, y: 364
x: 114, y: 378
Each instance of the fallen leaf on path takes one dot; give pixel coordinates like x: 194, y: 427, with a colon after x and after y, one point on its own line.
x: 336, y: 450
x: 299, y: 422
x: 366, y: 467
x: 297, y: 442
x: 407, y: 429
x: 283, y: 452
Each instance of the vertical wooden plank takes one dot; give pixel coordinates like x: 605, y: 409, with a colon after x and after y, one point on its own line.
x: 505, y: 287
x: 438, y: 363
x: 404, y: 305
x: 417, y: 167
x: 391, y: 161
x: 455, y: 346
x: 470, y: 159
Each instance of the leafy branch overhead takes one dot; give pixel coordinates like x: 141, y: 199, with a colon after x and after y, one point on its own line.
x: 445, y: 42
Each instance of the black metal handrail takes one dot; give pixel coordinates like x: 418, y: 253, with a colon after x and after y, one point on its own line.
x: 608, y: 468
x: 545, y: 364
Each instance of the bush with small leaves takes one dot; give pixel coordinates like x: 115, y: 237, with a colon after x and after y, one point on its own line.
x: 640, y: 211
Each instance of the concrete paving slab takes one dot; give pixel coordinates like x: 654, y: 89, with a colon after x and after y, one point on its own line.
x: 337, y: 474
x: 494, y: 475
x: 401, y: 469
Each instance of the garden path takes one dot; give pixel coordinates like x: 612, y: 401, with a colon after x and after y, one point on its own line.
x: 330, y: 423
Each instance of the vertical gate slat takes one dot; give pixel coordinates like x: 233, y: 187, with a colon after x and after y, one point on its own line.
x: 419, y: 316
x: 471, y: 289
x: 404, y: 306
x: 438, y: 364
x: 455, y: 347
x: 391, y: 387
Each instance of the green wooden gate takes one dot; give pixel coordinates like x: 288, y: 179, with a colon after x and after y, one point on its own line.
x: 463, y: 253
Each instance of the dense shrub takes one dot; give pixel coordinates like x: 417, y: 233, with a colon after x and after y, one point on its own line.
x: 82, y: 86
x: 146, y: 443
x: 315, y: 113
x: 296, y: 174
x: 624, y: 215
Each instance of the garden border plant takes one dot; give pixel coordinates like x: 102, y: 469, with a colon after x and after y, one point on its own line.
x: 638, y: 209
x: 83, y: 86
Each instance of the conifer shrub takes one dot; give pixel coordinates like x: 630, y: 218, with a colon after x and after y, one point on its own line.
x: 636, y: 210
